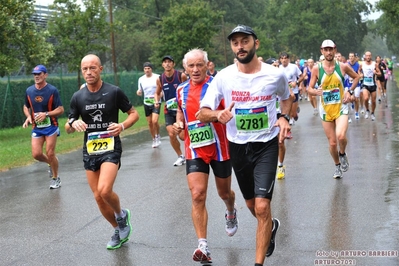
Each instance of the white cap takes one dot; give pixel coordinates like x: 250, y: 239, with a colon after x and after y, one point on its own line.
x: 327, y: 43
x: 321, y: 58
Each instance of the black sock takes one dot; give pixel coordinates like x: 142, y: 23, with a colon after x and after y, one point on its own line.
x: 258, y: 264
x: 338, y: 164
x: 341, y: 154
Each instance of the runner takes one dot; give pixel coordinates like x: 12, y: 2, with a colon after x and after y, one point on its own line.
x: 370, y: 70
x: 167, y: 84
x: 308, y: 74
x: 98, y: 105
x: 211, y: 150
x: 348, y: 82
x: 281, y: 145
x: 381, y: 80
x: 294, y: 76
x: 147, y: 85
x: 333, y: 107
x: 249, y: 89
x: 42, y: 108
x: 211, y: 69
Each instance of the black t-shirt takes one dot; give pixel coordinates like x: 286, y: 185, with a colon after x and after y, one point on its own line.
x: 382, y: 67
x: 99, y: 109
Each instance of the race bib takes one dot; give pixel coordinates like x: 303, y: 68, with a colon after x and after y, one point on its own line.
x: 99, y: 142
x: 171, y: 104
x: 368, y: 81
x: 331, y: 96
x: 149, y: 100
x: 45, y: 123
x: 252, y: 120
x: 200, y: 134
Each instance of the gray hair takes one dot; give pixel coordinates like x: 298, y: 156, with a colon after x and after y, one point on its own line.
x: 195, y: 51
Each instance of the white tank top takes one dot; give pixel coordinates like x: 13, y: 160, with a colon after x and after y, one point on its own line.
x: 368, y: 72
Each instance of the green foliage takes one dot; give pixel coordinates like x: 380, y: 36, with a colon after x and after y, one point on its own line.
x: 21, y: 42
x: 187, y: 26
x: 299, y: 27
x: 387, y: 25
x: 78, y: 31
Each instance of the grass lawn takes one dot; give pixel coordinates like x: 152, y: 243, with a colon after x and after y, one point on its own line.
x: 15, y: 142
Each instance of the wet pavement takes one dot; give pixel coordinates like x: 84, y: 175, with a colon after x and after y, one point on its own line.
x: 323, y: 220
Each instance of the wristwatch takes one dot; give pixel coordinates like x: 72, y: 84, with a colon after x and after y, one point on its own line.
x: 350, y: 92
x: 287, y: 117
x: 47, y: 114
x: 70, y: 121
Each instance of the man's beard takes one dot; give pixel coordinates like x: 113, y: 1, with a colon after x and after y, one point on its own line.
x: 249, y: 57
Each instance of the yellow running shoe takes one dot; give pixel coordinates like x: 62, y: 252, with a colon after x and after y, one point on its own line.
x: 280, y: 172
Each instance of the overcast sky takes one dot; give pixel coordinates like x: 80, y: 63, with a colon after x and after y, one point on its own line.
x: 373, y: 16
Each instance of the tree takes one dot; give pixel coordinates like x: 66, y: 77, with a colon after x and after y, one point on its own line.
x: 388, y: 23
x: 78, y: 30
x: 21, y: 42
x: 299, y: 27
x: 187, y: 26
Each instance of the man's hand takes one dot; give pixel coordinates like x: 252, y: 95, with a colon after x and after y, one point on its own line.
x: 225, y: 115
x: 285, y: 128
x: 28, y: 121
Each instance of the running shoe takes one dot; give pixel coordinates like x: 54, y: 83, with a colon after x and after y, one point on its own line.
x: 115, y: 241
x: 362, y: 111
x: 357, y: 116
x: 55, y: 183
x: 315, y: 111
x: 231, y: 223
x: 180, y: 161
x: 281, y: 172
x: 367, y: 115
x: 343, y: 160
x: 349, y: 120
x: 202, y: 254
x: 272, y: 245
x: 291, y: 122
x: 154, y: 143
x: 158, y: 139
x: 338, y: 172
x: 125, y: 227
x: 372, y: 117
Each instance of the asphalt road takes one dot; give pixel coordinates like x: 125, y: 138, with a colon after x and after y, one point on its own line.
x: 323, y: 220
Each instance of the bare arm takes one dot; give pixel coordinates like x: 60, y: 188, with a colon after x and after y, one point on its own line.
x: 377, y: 70
x: 28, y: 117
x: 207, y: 115
x: 179, y: 126
x: 312, y: 83
x: 158, y: 93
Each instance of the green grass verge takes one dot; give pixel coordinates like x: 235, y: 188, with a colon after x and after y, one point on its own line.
x: 15, y: 142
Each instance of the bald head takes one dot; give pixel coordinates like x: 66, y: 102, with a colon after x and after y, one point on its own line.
x: 91, y: 69
x: 92, y: 58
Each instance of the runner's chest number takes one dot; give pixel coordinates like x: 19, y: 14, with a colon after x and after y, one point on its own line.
x: 200, y: 134
x: 99, y: 142
x: 252, y: 119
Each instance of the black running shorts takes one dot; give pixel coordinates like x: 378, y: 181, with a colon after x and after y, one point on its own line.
x: 255, y: 165
x: 220, y: 169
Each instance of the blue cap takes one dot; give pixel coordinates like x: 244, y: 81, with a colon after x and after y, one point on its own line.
x: 39, y: 69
